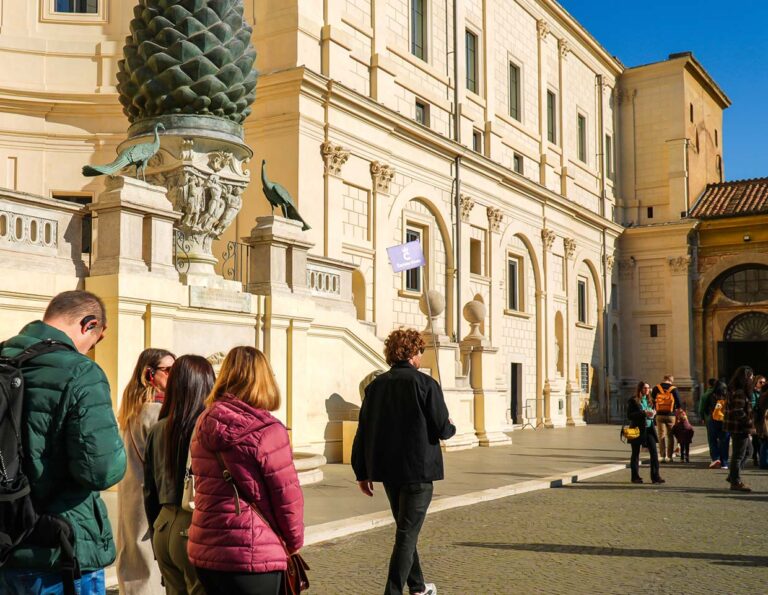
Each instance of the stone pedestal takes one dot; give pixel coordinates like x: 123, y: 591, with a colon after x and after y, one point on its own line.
x: 134, y: 230
x: 490, y: 404
x: 278, y: 262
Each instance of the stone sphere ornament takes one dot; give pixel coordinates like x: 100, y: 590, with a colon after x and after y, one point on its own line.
x: 474, y: 313
x: 432, y: 303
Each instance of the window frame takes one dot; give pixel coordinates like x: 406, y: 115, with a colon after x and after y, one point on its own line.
x: 582, y: 300
x: 581, y: 137
x: 473, y: 61
x: 425, y: 111
x: 422, y: 52
x: 551, y: 116
x: 518, y: 163
x: 610, y: 171
x: 519, y: 302
x: 49, y: 14
x: 515, y: 94
x: 477, y: 141
x: 412, y: 233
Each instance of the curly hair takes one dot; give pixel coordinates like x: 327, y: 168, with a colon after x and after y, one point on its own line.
x: 402, y: 344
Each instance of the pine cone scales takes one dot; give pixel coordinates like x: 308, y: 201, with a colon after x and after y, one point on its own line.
x: 188, y: 57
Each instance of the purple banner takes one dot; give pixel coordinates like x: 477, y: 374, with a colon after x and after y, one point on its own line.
x: 406, y: 256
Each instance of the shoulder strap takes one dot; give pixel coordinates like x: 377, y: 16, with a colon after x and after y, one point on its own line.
x: 39, y: 348
x: 231, y: 480
x: 133, y: 442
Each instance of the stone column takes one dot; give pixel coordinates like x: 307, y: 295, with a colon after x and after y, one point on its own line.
x: 567, y: 177
x: 490, y: 404
x: 542, y: 30
x: 383, y: 292
x: 548, y: 240
x: 334, y: 157
x: 569, y: 249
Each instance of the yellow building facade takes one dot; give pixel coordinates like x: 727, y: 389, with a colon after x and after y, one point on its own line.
x: 497, y: 132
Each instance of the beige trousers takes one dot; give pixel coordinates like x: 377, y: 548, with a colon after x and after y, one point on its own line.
x: 664, y: 425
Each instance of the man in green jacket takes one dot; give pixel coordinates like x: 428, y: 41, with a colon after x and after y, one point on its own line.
x: 72, y: 447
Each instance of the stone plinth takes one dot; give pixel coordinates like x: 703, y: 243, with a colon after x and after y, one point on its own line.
x: 134, y: 229
x: 490, y: 404
x: 278, y: 256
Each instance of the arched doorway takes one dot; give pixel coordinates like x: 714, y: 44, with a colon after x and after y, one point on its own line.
x: 745, y: 343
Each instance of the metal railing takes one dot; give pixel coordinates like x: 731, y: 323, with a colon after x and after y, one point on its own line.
x: 181, y: 249
x: 235, y: 263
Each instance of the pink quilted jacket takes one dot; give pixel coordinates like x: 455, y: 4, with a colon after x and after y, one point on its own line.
x: 256, y: 450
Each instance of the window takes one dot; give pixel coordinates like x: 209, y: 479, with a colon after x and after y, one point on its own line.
x: 582, y: 131
x: 690, y: 110
x: 716, y: 139
x: 609, y: 156
x: 80, y: 199
x: 551, y: 115
x: 514, y: 91
x: 584, y: 377
x: 517, y: 161
x: 413, y: 276
x: 77, y: 6
x: 654, y: 330
x: 582, y: 300
x: 419, y: 29
x: 649, y: 212
x: 477, y: 141
x: 746, y: 286
x: 471, y: 43
x: 475, y: 257
x: 719, y: 166
x: 513, y: 284
x: 422, y: 113
x: 614, y: 297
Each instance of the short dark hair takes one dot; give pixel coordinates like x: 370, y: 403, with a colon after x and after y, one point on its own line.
x: 402, y: 344
x: 76, y: 305
x: 712, y: 382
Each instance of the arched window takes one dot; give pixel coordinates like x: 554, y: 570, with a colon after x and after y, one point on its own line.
x: 747, y: 285
x: 751, y: 326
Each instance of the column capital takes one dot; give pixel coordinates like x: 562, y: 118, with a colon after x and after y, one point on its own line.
x: 548, y: 238
x: 382, y: 175
x: 334, y: 157
x: 495, y: 218
x: 466, y: 203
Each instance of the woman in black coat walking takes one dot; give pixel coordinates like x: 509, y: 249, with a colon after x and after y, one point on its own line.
x: 640, y: 413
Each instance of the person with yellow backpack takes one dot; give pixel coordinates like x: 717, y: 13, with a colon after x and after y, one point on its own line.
x: 666, y: 401
x: 712, y: 411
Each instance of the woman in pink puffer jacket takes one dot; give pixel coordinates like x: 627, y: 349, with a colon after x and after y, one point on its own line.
x: 238, y: 553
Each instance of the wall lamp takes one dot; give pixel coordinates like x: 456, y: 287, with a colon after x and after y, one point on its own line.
x: 747, y: 237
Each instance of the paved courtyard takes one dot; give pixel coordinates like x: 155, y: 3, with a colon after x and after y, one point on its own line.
x: 691, y: 535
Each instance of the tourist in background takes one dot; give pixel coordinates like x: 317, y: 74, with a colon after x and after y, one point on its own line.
x: 714, y: 408
x: 234, y: 550
x: 739, y: 423
x: 402, y: 420
x: 683, y: 432
x: 137, y: 572
x: 761, y: 426
x: 666, y: 401
x: 759, y: 384
x: 640, y: 414
x: 189, y: 383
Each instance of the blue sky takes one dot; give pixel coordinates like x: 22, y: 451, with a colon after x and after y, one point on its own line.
x: 727, y: 38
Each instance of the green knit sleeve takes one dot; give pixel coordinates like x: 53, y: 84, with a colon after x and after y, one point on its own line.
x: 94, y: 447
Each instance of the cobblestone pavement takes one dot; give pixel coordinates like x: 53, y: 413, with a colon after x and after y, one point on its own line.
x: 691, y: 535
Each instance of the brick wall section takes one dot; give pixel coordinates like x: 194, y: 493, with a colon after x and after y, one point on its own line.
x: 650, y: 288
x: 355, y: 224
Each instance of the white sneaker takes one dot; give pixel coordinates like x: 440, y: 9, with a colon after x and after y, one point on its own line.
x: 430, y: 589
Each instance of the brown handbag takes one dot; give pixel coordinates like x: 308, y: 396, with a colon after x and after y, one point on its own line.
x: 295, y: 579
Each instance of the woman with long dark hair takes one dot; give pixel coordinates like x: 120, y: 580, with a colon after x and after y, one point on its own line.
x: 641, y: 413
x: 190, y: 381
x: 740, y: 424
x: 139, y: 409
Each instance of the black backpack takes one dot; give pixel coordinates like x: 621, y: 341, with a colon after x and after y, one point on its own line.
x: 19, y: 521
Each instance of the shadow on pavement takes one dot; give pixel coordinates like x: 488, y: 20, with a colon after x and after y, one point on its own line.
x: 589, y: 550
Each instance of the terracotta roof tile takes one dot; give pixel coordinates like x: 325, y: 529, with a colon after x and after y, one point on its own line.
x: 729, y: 199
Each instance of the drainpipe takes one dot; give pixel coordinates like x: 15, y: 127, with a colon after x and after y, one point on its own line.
x: 457, y: 166
x: 601, y: 141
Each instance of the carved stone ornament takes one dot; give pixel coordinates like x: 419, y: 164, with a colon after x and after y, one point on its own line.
x: 187, y: 149
x: 466, y: 204
x: 548, y: 238
x: 382, y: 175
x: 626, y: 269
x: 563, y: 47
x: 218, y: 160
x: 495, y: 217
x: 679, y: 264
x: 610, y: 260
x: 569, y: 247
x: 334, y: 157
x: 542, y: 28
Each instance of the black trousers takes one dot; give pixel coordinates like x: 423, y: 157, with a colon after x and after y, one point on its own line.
x: 741, y: 450
x: 409, y: 503
x: 650, y: 442
x: 218, y: 582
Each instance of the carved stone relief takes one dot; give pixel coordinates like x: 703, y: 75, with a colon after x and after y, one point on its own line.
x: 334, y: 157
x: 382, y: 175
x: 548, y: 238
x: 495, y: 217
x: 466, y: 204
x: 569, y: 247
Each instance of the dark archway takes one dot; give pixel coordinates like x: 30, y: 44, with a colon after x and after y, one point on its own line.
x: 745, y: 343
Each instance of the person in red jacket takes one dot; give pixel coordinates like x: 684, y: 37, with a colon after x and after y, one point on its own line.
x: 233, y: 549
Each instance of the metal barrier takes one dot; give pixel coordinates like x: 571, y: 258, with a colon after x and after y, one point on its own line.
x: 529, y: 413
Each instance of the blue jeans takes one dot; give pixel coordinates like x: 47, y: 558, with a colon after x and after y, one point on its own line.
x: 718, y: 441
x: 32, y: 582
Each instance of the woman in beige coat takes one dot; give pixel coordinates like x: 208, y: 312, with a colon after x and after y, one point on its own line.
x: 137, y: 571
